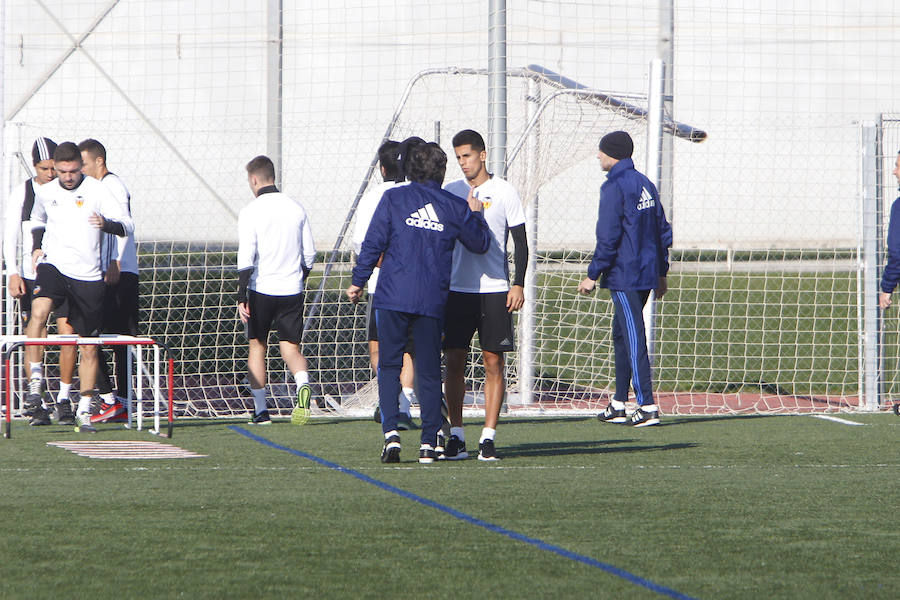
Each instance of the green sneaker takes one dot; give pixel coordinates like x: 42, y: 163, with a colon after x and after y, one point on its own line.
x: 83, y: 423
x: 300, y: 414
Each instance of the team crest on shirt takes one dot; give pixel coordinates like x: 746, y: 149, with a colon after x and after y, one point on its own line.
x: 79, y: 201
x: 486, y: 202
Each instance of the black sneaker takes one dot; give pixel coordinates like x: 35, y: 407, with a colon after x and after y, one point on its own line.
x: 644, y: 418
x: 440, y: 444
x: 390, y: 453
x: 454, y: 450
x: 486, y: 451
x: 32, y: 401
x: 426, y: 454
x: 612, y: 415
x: 405, y: 422
x: 40, y: 416
x: 64, y: 414
x: 260, y: 419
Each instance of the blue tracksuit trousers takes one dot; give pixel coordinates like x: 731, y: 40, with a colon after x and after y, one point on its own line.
x: 630, y: 345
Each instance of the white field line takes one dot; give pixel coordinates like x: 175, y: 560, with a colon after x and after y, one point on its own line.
x: 837, y: 420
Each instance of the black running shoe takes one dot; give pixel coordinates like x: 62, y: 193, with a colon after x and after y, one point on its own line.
x: 390, y: 453
x: 32, y: 401
x: 644, y: 418
x: 260, y: 419
x: 64, y: 414
x: 454, y: 450
x: 40, y: 416
x: 426, y: 454
x: 612, y: 415
x: 486, y: 451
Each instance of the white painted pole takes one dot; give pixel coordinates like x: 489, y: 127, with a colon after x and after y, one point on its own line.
x: 653, y: 169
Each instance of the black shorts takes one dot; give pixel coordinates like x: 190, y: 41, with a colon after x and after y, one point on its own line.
x: 120, y: 306
x: 372, y: 329
x: 285, y: 313
x: 82, y: 301
x: 486, y: 313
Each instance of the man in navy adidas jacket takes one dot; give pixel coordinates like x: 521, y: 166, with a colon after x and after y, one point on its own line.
x: 415, y: 228
x: 891, y: 274
x: 632, y: 257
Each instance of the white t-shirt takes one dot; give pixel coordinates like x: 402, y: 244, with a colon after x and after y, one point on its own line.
x: 274, y: 238
x: 17, y: 233
x: 122, y: 249
x: 364, y: 212
x: 71, y: 243
x: 488, y: 272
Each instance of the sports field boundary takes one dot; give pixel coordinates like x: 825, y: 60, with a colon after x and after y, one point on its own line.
x: 539, y: 544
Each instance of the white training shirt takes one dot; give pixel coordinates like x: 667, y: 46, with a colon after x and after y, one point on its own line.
x: 274, y: 238
x: 364, y: 212
x: 17, y: 234
x: 488, y: 272
x: 71, y: 243
x: 122, y: 249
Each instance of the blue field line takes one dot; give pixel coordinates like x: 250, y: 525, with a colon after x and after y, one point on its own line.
x: 630, y: 577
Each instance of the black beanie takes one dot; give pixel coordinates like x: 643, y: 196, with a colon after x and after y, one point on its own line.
x: 403, y: 151
x: 43, y: 149
x: 617, y: 145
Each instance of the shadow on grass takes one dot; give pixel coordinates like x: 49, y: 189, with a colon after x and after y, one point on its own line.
x: 688, y: 419
x: 587, y: 447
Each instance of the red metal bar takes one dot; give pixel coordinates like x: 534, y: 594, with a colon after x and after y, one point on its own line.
x: 8, y: 389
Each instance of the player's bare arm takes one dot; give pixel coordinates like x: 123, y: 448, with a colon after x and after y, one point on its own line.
x: 113, y: 272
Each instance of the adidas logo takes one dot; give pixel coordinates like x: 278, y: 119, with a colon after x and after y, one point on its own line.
x: 425, y: 218
x: 646, y: 200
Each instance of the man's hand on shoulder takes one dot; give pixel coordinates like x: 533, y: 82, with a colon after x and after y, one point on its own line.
x: 474, y: 203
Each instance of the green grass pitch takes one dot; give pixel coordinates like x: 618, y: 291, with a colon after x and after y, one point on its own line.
x: 708, y: 507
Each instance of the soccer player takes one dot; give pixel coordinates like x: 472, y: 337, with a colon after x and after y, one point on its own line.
x: 275, y: 256
x: 66, y: 251
x: 415, y: 227
x: 17, y: 236
x: 632, y: 257
x: 480, y: 295
x: 891, y: 274
x: 389, y: 166
x: 120, y: 305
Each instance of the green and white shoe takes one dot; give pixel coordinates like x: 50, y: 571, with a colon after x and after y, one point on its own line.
x: 300, y: 414
x: 83, y: 423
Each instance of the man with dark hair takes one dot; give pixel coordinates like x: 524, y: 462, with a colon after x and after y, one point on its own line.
x: 119, y: 264
x: 414, y: 228
x: 891, y: 274
x: 66, y: 251
x: 275, y: 255
x: 17, y: 253
x: 632, y: 257
x: 481, y: 298
x: 390, y: 173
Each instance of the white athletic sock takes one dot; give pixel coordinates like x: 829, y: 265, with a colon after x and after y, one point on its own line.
x: 259, y: 399
x: 84, y: 405
x: 458, y: 432
x: 64, y: 389
x: 301, y: 378
x: 390, y: 433
x: 37, y: 375
x: 648, y: 407
x: 404, y: 402
x: 487, y: 434
x: 617, y: 404
x: 108, y: 398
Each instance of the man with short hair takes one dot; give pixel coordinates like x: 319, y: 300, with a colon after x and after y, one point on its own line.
x: 390, y: 173
x: 632, y: 257
x: 481, y: 298
x: 415, y: 228
x: 120, y: 273
x: 71, y: 212
x: 17, y: 253
x: 275, y: 255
